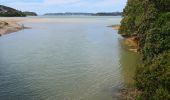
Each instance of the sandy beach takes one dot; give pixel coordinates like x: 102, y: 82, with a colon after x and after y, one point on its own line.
x: 116, y: 27
x: 8, y: 26
x: 14, y: 24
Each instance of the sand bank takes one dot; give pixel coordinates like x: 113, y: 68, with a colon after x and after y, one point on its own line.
x: 9, y: 26
x: 14, y: 24
x: 116, y: 27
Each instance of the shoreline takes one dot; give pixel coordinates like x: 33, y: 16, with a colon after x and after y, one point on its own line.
x: 13, y: 24
x: 130, y: 41
x: 115, y: 27
x: 128, y: 93
x: 10, y: 26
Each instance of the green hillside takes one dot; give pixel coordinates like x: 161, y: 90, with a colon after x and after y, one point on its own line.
x: 10, y: 12
x: 149, y: 21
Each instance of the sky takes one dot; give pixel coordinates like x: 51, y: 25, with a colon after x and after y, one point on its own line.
x: 54, y: 6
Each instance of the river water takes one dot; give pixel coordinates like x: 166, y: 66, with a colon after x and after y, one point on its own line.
x: 65, y: 58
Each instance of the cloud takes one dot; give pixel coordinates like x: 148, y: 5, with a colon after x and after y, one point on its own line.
x: 43, y: 6
x: 99, y: 3
x: 59, y: 2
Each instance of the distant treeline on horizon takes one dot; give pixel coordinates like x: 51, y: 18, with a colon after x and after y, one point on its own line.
x: 11, y: 12
x: 88, y: 14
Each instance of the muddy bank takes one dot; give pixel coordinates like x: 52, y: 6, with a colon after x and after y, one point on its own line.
x: 128, y: 94
x: 132, y: 43
x: 115, y: 27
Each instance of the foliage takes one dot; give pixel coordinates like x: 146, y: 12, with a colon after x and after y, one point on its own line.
x: 149, y: 20
x: 161, y: 94
x: 10, y: 12
x: 154, y: 75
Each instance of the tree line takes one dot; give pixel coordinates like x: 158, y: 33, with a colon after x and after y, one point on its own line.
x: 149, y: 22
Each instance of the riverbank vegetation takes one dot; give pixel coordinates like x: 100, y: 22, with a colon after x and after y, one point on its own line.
x: 149, y: 22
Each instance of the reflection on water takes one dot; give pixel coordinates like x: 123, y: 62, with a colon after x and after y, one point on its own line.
x: 76, y: 58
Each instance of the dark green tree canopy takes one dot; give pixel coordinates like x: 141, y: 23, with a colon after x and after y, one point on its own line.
x: 149, y: 20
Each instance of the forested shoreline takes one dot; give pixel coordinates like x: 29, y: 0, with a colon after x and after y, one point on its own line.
x: 149, y: 22
x: 11, y: 12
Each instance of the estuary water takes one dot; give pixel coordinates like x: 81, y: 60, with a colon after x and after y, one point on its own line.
x: 65, y: 58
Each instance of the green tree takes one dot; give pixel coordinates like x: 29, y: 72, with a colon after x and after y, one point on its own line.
x: 149, y: 20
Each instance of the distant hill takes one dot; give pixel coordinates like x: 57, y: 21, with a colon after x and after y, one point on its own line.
x: 68, y: 13
x: 10, y: 12
x: 108, y: 14
x: 87, y: 14
x: 27, y: 13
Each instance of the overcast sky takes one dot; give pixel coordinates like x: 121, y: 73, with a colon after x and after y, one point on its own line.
x: 45, y: 6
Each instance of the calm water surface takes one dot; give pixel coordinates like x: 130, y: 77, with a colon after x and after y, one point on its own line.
x: 65, y: 58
